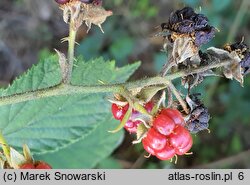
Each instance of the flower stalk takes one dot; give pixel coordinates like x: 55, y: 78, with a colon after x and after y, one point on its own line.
x: 71, y: 51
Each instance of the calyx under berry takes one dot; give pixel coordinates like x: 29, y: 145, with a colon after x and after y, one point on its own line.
x: 15, y: 160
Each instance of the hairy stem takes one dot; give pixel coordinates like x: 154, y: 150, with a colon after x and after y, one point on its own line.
x: 197, y: 70
x: 170, y: 97
x: 178, y: 97
x: 71, y: 49
x: 67, y: 89
x: 167, y: 66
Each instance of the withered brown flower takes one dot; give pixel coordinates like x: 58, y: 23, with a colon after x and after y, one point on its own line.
x: 199, y: 116
x: 186, y: 21
x: 76, y: 13
x: 243, y: 52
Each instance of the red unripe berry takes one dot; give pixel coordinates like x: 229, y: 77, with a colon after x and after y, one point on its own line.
x: 42, y: 165
x: 62, y: 1
x: 155, y: 140
x: 147, y: 147
x: 27, y: 166
x: 37, y: 165
x: 166, y: 153
x: 119, y: 111
x: 180, y: 137
x: 97, y: 2
x: 163, y: 124
x: 149, y: 106
x: 131, y: 126
x: 175, y: 115
x: 182, y: 151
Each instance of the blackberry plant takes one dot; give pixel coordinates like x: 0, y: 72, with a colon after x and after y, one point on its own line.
x: 61, y: 105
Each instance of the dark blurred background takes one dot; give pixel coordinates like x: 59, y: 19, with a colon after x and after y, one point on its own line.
x: 31, y: 27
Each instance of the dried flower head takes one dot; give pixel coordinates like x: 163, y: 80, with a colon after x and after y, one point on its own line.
x: 193, y: 80
x: 244, y: 54
x: 91, y: 12
x: 95, y: 15
x: 186, y: 21
x: 199, y: 117
x: 245, y: 64
x: 204, y: 36
x: 231, y: 70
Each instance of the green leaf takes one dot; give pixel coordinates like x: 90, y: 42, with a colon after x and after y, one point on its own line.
x: 45, y: 74
x: 49, y: 124
x: 86, y: 74
x: 87, y: 152
x: 109, y: 163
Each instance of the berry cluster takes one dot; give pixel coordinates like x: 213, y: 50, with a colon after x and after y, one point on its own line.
x: 167, y: 137
x: 94, y: 2
x: 132, y: 124
x: 186, y: 21
x: 36, y: 165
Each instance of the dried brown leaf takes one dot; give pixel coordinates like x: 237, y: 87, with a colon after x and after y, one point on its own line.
x: 63, y: 65
x: 183, y: 48
x: 77, y: 12
x: 234, y: 69
x: 95, y: 15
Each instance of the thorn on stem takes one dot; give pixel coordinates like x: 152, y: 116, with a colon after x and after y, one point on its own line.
x: 100, y: 26
x: 189, y: 153
x: 65, y: 39
x: 176, y: 159
x: 147, y: 156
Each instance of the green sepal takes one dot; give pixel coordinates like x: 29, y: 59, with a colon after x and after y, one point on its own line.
x: 27, y: 154
x: 137, y: 106
x: 16, y: 159
x: 141, y: 131
x: 124, y: 121
x: 147, y: 93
